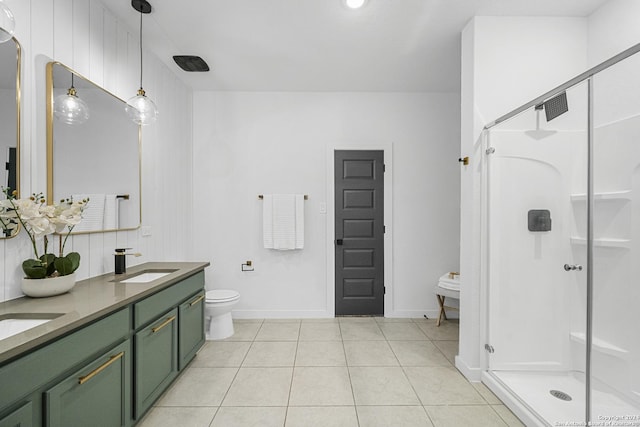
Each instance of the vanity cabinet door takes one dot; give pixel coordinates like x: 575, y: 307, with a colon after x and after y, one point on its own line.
x: 97, y: 394
x: 191, y: 328
x: 156, y: 360
x: 22, y: 417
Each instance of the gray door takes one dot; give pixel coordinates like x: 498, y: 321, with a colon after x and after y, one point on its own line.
x: 359, y: 239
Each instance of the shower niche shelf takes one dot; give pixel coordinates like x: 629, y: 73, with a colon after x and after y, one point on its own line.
x: 600, y: 345
x: 624, y: 195
x: 603, y: 243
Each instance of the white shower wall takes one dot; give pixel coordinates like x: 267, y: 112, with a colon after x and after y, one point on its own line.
x: 531, y: 298
x: 87, y: 37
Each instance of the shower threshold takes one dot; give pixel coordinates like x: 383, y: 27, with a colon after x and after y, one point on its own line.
x: 536, y: 389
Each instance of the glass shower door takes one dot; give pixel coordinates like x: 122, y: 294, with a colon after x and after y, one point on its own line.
x: 615, y: 349
x: 536, y: 172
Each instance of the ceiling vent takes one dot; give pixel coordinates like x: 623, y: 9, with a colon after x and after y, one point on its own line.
x: 191, y: 63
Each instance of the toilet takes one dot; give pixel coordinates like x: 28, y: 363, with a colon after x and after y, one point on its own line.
x: 218, y: 304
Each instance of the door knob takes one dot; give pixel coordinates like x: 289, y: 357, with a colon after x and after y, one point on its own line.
x: 568, y: 267
x: 339, y: 242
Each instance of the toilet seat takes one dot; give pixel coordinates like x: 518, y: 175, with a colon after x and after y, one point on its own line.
x: 221, y: 295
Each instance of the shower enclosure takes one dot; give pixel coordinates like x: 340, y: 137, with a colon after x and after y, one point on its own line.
x: 562, y: 261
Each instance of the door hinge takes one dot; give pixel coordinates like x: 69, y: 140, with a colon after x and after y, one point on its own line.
x: 384, y: 168
x: 489, y: 348
x: 384, y: 290
x: 384, y: 229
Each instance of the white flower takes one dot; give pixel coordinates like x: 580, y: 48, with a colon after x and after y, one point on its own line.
x: 40, y: 226
x: 40, y: 219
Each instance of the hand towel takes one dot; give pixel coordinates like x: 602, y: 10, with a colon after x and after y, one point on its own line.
x: 93, y: 214
x: 267, y: 221
x: 299, y: 221
x: 283, y: 221
x: 111, y: 211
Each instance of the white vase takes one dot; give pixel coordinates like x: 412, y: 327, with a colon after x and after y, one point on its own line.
x: 49, y: 286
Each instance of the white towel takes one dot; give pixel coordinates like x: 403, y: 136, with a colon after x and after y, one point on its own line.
x: 111, y: 212
x: 299, y: 221
x: 93, y: 214
x: 283, y: 221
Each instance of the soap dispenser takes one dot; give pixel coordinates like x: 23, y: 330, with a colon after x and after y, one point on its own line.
x: 121, y: 261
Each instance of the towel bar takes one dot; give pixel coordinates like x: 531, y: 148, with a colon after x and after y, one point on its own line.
x: 260, y: 196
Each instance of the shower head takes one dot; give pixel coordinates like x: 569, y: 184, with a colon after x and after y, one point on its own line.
x: 556, y: 106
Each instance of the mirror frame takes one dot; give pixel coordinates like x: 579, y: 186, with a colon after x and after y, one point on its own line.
x: 18, y: 123
x: 50, y: 159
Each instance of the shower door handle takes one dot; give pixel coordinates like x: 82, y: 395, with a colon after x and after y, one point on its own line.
x: 568, y: 267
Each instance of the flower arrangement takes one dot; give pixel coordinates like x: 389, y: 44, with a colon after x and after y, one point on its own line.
x: 40, y: 220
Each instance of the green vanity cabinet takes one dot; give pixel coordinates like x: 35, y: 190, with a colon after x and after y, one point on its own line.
x: 151, y: 307
x: 191, y: 328
x: 29, y: 377
x: 168, y: 340
x: 109, y: 371
x: 96, y: 394
x: 156, y: 360
x: 21, y: 417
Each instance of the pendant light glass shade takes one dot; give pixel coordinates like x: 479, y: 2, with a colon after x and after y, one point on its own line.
x: 141, y: 110
x: 70, y: 109
x: 7, y: 23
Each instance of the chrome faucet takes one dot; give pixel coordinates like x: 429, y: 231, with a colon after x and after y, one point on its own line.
x: 121, y: 261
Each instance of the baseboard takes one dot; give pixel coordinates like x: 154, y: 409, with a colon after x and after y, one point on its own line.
x: 323, y: 314
x: 281, y: 314
x: 473, y: 374
x: 419, y: 314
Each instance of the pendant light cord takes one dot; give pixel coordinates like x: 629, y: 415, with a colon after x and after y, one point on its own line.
x: 140, y: 49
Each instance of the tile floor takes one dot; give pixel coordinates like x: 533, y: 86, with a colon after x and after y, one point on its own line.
x: 349, y: 372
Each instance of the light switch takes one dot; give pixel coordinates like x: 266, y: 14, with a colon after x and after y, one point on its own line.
x: 323, y: 208
x: 145, y: 231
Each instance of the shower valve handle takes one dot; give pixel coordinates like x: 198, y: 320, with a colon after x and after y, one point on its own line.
x: 568, y: 267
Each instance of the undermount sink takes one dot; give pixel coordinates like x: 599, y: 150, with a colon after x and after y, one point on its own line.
x: 146, y: 276
x: 13, y: 324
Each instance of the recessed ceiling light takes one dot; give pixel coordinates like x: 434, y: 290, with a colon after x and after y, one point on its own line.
x: 355, y: 4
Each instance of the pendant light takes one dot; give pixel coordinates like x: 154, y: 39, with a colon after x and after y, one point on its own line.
x: 7, y: 23
x: 141, y: 110
x: 69, y: 108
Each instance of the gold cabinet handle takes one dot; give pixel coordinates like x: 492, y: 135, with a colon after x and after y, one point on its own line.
x: 195, y: 301
x: 165, y: 323
x: 84, y: 379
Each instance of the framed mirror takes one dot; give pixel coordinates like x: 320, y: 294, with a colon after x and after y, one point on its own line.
x: 97, y: 156
x: 10, y: 58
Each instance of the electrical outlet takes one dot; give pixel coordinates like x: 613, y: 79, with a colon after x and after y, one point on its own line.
x: 145, y: 231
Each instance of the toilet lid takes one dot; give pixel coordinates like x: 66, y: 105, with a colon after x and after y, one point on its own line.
x: 221, y: 295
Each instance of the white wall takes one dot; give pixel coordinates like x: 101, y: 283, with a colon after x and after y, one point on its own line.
x: 506, y: 61
x: 84, y: 35
x: 612, y: 29
x: 246, y: 144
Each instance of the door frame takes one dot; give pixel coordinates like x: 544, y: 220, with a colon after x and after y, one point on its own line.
x: 387, y: 149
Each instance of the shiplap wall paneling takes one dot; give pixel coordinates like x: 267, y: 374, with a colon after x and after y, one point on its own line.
x: 86, y: 36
